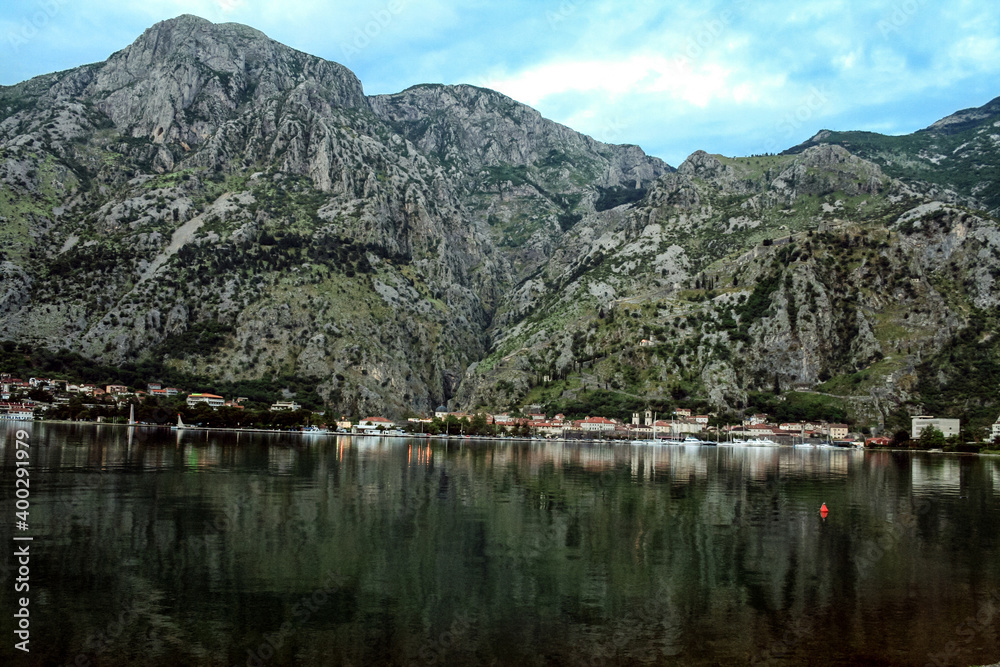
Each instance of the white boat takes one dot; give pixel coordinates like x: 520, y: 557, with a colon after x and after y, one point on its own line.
x: 180, y: 424
x: 314, y: 430
x: 761, y: 442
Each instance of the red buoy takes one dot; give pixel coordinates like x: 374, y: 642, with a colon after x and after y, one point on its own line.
x: 823, y: 510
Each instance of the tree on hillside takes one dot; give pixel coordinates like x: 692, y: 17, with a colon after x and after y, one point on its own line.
x: 931, y: 438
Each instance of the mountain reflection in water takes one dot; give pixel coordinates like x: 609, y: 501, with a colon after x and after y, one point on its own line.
x: 221, y: 548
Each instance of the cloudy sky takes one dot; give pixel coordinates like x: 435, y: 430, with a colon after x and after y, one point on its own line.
x: 735, y: 78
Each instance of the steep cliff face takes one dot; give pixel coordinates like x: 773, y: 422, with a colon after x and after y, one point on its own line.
x: 529, y: 179
x: 477, y: 128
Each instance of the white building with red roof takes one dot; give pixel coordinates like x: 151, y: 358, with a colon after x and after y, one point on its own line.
x: 211, y: 399
x: 598, y: 424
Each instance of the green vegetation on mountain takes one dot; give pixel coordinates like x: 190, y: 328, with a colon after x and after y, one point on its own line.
x: 261, y: 225
x: 959, y: 153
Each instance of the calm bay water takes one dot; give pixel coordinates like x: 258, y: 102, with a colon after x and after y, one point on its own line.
x: 255, y: 549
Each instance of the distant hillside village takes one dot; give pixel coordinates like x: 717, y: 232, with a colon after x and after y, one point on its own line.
x: 45, y: 398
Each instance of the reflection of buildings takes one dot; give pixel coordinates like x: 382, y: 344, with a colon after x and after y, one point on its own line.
x: 935, y: 474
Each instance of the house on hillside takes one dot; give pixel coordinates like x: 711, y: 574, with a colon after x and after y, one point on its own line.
x: 996, y: 428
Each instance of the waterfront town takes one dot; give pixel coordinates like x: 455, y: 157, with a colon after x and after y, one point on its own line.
x: 44, y: 398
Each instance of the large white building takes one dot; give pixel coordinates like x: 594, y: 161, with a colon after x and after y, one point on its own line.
x: 16, y: 412
x: 948, y: 427
x: 996, y: 429
x: 373, y: 423
x: 597, y: 424
x: 211, y: 399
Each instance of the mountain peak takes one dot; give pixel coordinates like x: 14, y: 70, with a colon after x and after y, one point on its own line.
x: 188, y: 19
x: 223, y: 46
x: 187, y: 26
x: 185, y: 76
x: 966, y: 118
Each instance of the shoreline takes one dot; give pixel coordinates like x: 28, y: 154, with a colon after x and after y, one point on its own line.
x: 167, y: 427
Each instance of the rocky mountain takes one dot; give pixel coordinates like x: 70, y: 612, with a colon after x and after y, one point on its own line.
x: 212, y: 204
x: 241, y: 210
x: 815, y: 276
x: 959, y: 155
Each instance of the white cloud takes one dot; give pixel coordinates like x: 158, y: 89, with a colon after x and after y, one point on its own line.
x: 673, y: 79
x: 976, y: 52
